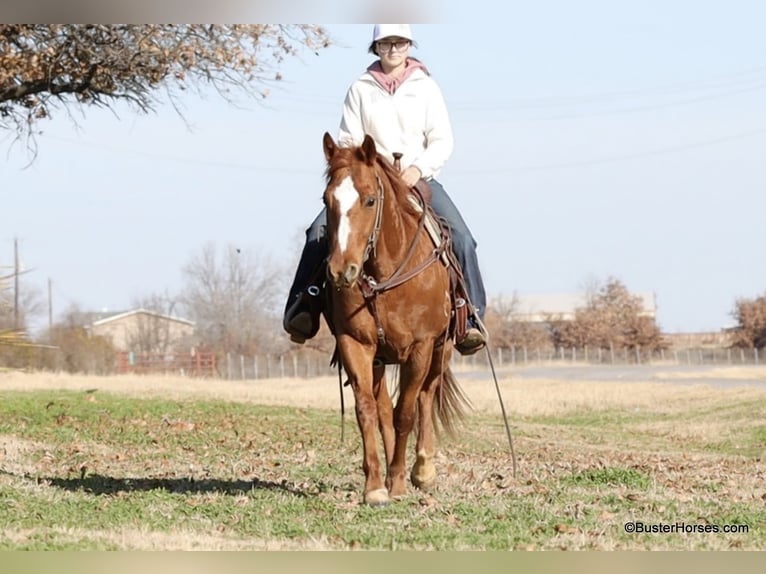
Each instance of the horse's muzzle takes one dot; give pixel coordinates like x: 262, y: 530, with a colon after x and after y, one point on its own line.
x: 347, y: 277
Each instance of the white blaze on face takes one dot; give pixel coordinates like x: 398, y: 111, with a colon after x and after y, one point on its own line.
x: 346, y: 196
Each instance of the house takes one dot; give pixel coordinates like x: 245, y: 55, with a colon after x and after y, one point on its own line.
x: 540, y: 308
x: 140, y: 330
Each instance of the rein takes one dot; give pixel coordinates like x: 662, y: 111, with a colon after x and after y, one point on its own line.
x: 371, y: 286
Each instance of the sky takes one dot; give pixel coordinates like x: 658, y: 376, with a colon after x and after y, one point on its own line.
x: 594, y: 139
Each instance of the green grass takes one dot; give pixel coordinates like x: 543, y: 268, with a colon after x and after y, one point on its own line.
x: 609, y: 477
x: 82, y: 469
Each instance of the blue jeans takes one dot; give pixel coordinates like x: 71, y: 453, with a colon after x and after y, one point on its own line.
x: 463, y: 244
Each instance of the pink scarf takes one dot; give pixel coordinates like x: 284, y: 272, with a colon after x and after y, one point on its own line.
x: 389, y: 83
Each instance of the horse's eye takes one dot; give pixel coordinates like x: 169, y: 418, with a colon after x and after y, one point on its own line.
x: 369, y: 202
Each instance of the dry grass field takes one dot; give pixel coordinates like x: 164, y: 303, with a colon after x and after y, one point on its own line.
x: 523, y: 396
x: 593, y: 456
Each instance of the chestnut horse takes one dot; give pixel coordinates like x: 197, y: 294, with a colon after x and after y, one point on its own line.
x: 389, y: 303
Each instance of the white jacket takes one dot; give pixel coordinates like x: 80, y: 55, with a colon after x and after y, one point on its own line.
x: 413, y: 121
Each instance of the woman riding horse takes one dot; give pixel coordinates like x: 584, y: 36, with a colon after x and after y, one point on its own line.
x: 389, y: 303
x: 401, y: 107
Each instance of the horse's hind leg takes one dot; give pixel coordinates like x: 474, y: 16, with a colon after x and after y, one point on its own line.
x: 423, y: 473
x: 385, y: 409
x: 411, y: 380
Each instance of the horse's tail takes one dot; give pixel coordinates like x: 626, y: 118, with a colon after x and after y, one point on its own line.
x: 450, y: 404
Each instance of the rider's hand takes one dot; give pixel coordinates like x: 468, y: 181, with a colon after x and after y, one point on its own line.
x: 411, y: 175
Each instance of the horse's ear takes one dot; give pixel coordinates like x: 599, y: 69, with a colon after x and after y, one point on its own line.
x: 329, y: 146
x: 368, y: 148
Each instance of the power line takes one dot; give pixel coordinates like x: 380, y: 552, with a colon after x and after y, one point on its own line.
x: 181, y: 159
x: 617, y: 158
x: 759, y: 75
x: 541, y: 167
x: 496, y: 119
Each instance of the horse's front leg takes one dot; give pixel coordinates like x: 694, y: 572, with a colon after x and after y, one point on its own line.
x: 413, y: 373
x: 357, y: 360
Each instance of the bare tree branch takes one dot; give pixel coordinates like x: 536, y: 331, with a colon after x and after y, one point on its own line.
x: 47, y: 67
x: 233, y: 299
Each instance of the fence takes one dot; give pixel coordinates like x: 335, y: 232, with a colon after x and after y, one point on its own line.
x: 309, y: 365
x: 199, y: 364
x: 521, y: 356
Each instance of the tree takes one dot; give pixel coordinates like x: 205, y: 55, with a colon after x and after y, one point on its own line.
x: 15, y: 312
x: 612, y: 318
x: 78, y: 350
x: 9, y: 334
x: 750, y: 315
x: 72, y: 66
x: 154, y: 333
x: 234, y: 300
x: 507, y: 332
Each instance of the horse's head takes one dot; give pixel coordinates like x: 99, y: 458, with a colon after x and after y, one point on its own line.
x: 352, y: 198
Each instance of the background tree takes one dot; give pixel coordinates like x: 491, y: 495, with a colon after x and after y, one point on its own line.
x: 154, y: 334
x: 750, y: 315
x: 45, y: 67
x: 78, y: 350
x: 13, y: 328
x: 507, y: 332
x: 612, y: 318
x: 8, y: 332
x: 235, y: 300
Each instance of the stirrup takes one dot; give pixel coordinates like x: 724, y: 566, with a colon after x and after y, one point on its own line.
x: 473, y: 342
x: 300, y: 327
x: 301, y: 320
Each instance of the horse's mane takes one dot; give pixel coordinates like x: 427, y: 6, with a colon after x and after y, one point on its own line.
x: 401, y: 191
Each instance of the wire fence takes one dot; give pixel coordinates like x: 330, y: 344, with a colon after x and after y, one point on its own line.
x: 699, y: 356
x: 311, y: 365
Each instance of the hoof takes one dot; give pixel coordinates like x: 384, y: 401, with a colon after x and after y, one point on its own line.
x: 398, y: 492
x: 423, y: 477
x: 377, y: 497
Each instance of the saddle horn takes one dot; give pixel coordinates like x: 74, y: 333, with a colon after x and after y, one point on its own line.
x: 398, y: 160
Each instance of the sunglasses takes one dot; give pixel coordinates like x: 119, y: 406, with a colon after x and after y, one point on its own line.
x: 388, y: 45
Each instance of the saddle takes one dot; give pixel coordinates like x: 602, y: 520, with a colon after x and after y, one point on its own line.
x: 439, y: 231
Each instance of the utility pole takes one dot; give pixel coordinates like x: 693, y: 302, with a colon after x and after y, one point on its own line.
x: 16, y: 272
x: 50, y: 306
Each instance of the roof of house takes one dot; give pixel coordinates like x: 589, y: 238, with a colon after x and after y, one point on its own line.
x: 538, y: 306
x: 103, y: 318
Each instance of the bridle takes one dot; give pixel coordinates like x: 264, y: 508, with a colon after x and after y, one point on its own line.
x: 372, y: 240
x: 369, y: 285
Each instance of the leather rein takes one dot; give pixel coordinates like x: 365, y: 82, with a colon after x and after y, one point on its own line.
x: 370, y: 286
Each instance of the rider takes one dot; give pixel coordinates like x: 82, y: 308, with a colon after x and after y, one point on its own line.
x: 401, y: 107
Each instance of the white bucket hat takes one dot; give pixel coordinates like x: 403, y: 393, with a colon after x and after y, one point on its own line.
x: 388, y: 30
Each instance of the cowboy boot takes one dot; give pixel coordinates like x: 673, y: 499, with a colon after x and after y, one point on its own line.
x: 301, y: 320
x: 473, y: 341
x: 469, y: 339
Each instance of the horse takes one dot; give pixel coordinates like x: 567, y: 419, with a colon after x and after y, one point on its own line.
x: 389, y: 302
